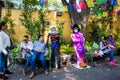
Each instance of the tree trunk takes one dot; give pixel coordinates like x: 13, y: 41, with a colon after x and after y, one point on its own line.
x: 78, y: 18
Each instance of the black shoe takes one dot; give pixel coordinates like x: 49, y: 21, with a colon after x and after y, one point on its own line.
x: 8, y: 72
x: 2, y: 76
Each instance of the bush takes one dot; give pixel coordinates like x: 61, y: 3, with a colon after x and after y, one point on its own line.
x: 66, y: 49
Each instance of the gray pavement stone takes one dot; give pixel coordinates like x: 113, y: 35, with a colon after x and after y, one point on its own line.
x: 102, y: 71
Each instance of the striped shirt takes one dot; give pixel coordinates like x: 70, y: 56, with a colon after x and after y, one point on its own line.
x: 40, y: 46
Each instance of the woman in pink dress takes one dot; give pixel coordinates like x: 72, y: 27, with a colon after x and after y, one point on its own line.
x: 78, y: 40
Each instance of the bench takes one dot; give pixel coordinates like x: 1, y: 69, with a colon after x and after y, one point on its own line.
x: 15, y: 56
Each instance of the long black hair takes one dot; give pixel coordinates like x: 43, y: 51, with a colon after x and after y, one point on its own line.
x: 76, y: 26
x: 2, y: 24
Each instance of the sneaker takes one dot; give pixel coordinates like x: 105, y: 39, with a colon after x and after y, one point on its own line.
x: 2, y: 76
x: 8, y: 72
x: 112, y: 63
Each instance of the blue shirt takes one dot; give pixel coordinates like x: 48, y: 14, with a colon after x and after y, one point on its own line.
x: 40, y: 46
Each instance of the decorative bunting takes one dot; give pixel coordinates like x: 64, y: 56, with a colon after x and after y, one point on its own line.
x: 41, y: 3
x: 45, y: 2
x: 90, y: 3
x: 78, y: 10
x: 113, y: 2
x: 101, y: 1
x: 82, y: 5
x: 99, y: 13
x: 105, y: 14
x: 65, y: 8
x: 75, y: 6
x: 70, y: 8
x: 67, y: 1
x: 111, y: 12
x: 104, y: 4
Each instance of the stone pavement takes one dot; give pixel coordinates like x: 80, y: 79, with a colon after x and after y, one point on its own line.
x: 101, y: 71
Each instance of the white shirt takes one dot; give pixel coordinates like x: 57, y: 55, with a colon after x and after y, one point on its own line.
x: 4, y: 41
x: 29, y: 45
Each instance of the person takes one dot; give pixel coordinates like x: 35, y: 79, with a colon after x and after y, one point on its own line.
x: 4, y: 28
x: 78, y: 40
x: 107, y: 47
x: 4, y: 43
x: 40, y: 51
x: 26, y: 46
x: 26, y: 49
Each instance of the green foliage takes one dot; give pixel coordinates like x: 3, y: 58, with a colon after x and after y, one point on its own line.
x: 89, y: 50
x: 97, y: 32
x: 34, y: 27
x: 29, y: 5
x: 117, y: 40
x: 88, y: 45
x: 66, y: 49
x: 60, y: 27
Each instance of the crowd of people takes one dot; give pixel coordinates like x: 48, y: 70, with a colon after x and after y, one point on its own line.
x: 38, y: 50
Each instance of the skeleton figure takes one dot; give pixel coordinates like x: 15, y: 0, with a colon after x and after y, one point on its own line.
x: 55, y: 47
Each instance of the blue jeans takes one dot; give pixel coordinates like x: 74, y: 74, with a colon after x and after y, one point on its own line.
x: 5, y: 62
x: 6, y: 59
x: 32, y: 61
x: 111, y: 55
x: 24, y: 53
x: 1, y: 62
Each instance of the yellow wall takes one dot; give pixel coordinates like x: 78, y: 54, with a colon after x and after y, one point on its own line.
x: 20, y: 30
x: 51, y: 16
x: 66, y: 32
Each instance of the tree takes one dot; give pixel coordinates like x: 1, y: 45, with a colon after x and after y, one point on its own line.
x: 28, y: 9
x: 34, y: 27
x: 78, y: 18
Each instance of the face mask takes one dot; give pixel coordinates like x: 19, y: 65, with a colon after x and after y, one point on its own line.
x: 75, y: 30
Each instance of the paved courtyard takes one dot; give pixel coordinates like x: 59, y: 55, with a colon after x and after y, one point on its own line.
x: 101, y: 71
